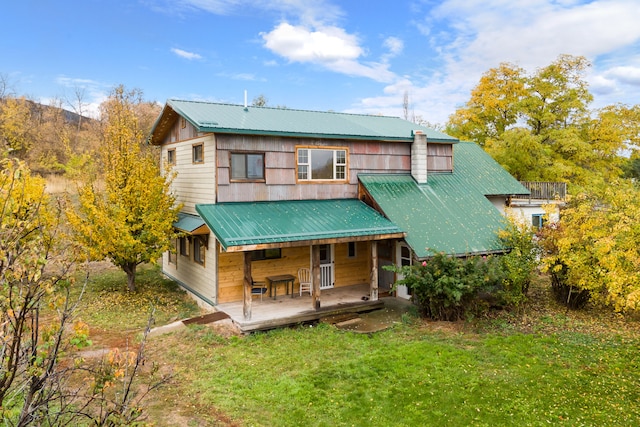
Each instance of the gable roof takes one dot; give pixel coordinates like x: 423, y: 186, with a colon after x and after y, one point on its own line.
x: 228, y: 118
x: 451, y: 212
x: 242, y: 226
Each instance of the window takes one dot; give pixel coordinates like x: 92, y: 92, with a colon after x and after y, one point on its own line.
x: 172, y: 252
x: 198, y: 153
x: 351, y: 250
x: 198, y: 250
x: 247, y: 166
x: 171, y: 156
x: 184, y: 246
x: 183, y: 123
x: 537, y: 220
x: 266, y: 254
x: 317, y: 164
x: 440, y: 157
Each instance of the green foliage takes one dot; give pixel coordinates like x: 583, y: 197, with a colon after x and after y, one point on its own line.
x: 447, y: 288
x: 520, y: 263
x: 131, y: 222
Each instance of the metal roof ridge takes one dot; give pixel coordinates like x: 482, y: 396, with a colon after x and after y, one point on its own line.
x: 286, y: 109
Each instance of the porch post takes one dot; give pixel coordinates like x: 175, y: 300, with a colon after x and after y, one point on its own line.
x: 373, y: 283
x: 246, y: 293
x: 315, y: 273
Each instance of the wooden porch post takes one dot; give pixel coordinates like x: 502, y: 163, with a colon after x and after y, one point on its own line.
x: 373, y: 283
x: 315, y: 274
x: 246, y: 303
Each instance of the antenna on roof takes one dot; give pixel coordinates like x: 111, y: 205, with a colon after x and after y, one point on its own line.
x: 245, y: 99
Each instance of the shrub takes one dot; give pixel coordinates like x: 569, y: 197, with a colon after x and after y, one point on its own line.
x: 449, y: 288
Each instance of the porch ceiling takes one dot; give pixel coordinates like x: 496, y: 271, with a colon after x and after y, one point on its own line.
x: 260, y: 225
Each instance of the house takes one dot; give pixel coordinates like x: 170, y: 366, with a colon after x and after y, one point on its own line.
x: 267, y: 191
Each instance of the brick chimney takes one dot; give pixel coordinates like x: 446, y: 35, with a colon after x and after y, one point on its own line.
x: 419, y: 157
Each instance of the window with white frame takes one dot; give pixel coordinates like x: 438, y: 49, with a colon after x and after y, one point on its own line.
x: 321, y: 164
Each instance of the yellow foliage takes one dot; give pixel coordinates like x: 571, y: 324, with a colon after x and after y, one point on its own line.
x: 131, y: 221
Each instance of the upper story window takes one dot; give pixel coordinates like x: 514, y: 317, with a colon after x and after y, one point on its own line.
x: 197, y: 151
x: 247, y: 166
x: 322, y: 164
x: 171, y: 156
x: 440, y: 157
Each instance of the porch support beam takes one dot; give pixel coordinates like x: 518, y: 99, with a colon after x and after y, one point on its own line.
x: 373, y: 277
x: 315, y: 274
x: 247, y: 297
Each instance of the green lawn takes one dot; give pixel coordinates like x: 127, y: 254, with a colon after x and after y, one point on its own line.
x: 540, y: 367
x: 411, y: 376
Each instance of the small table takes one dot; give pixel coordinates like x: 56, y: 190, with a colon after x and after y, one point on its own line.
x: 281, y: 279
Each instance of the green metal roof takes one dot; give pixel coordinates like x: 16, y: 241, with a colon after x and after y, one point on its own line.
x: 190, y: 223
x: 227, y: 118
x: 451, y: 212
x: 240, y: 224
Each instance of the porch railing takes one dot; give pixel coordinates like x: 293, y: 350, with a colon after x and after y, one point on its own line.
x: 549, y: 191
x: 325, y: 277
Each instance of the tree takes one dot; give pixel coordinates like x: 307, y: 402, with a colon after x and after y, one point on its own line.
x: 539, y: 128
x: 594, y: 252
x: 131, y: 221
x: 34, y: 275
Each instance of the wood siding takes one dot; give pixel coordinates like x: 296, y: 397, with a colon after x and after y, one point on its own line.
x: 196, y: 278
x: 280, y: 167
x: 348, y: 271
x: 194, y: 183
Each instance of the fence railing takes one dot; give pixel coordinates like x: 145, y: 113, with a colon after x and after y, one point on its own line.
x: 548, y: 191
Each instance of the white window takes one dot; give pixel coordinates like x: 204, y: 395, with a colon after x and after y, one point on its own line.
x: 322, y: 164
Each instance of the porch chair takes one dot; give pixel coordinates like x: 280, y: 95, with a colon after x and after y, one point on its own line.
x: 304, y: 276
x: 258, y: 288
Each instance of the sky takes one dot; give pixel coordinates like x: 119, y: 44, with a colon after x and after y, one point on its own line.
x: 356, y: 56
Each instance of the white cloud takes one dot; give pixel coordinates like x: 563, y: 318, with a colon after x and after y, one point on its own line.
x: 297, y: 43
x: 468, y: 37
x: 331, y: 47
x: 625, y: 74
x: 394, y: 45
x: 186, y: 55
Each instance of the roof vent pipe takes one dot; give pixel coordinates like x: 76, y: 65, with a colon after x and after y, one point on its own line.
x: 245, y: 101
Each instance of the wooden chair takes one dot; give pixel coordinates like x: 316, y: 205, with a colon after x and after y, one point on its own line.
x: 306, y: 285
x: 258, y: 288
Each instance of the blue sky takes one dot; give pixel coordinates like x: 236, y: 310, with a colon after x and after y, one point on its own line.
x: 352, y: 56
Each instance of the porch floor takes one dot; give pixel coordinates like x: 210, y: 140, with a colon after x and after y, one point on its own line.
x: 283, y: 311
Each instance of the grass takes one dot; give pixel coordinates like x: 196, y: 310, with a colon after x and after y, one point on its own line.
x: 110, y: 309
x: 537, y: 367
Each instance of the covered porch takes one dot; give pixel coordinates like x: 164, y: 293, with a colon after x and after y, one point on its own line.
x: 269, y: 313
x: 297, y: 230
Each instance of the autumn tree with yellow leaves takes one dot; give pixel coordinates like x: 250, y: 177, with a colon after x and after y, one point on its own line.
x: 540, y: 128
x: 130, y: 221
